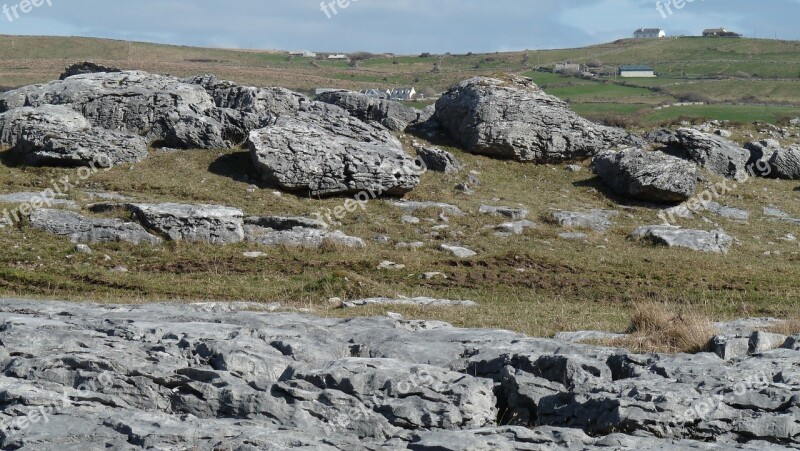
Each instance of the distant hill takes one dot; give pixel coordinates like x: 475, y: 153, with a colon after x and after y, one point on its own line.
x: 744, y: 79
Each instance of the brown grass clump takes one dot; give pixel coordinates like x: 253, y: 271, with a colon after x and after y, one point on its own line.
x: 656, y: 328
x: 789, y: 327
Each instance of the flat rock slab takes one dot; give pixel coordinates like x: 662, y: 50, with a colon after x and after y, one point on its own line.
x: 285, y: 222
x: 585, y: 336
x: 214, y: 224
x: 649, y: 176
x: 414, y: 206
x: 515, y: 213
x: 46, y: 199
x: 698, y: 240
x: 458, y: 251
x: 419, y: 301
x: 90, y: 230
x: 300, y: 237
x: 596, y: 220
x: 514, y: 228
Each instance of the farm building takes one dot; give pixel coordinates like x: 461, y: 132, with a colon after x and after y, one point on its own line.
x: 649, y: 33
x: 636, y: 72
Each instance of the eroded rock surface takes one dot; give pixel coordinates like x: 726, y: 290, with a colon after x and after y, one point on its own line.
x: 388, y: 113
x: 81, y: 229
x: 222, y: 376
x: 697, y: 240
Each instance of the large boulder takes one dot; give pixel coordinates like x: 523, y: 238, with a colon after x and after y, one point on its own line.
x: 515, y: 119
x: 388, y: 113
x: 715, y: 153
x: 90, y: 230
x: 212, y: 224
x: 325, y: 151
x: 245, y: 108
x: 52, y: 134
x: 164, y: 110
x: 771, y: 160
x: 650, y: 176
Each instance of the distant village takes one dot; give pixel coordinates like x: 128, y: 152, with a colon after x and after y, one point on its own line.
x: 633, y: 70
x: 566, y: 68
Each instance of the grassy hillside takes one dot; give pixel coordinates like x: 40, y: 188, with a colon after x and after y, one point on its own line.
x: 536, y: 283
x: 744, y: 79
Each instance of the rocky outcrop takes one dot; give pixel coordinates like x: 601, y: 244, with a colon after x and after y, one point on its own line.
x: 697, y: 240
x: 514, y: 119
x: 295, y: 232
x: 214, y: 224
x: 58, y: 135
x: 393, y: 115
x: 715, y: 153
x: 227, y: 376
x: 650, y: 176
x: 324, y: 151
x: 164, y: 110
x: 81, y: 229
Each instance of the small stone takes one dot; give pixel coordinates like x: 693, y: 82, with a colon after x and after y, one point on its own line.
x: 412, y: 245
x: 254, y: 254
x: 382, y: 239
x: 433, y: 275
x: 458, y: 251
x: 407, y: 219
x: 121, y: 269
x: 390, y: 266
x: 83, y: 249
x: 573, y: 168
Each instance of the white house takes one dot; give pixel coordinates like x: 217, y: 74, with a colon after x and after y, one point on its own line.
x: 337, y: 57
x: 636, y: 72
x: 379, y: 93
x: 403, y: 94
x: 649, y: 33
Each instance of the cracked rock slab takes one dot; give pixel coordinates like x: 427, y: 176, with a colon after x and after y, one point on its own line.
x: 80, y: 229
x: 214, y: 224
x: 715, y: 241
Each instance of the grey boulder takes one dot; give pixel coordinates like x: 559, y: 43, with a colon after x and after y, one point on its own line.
x: 58, y: 135
x: 324, y: 151
x: 698, y: 240
x: 514, y: 119
x: 438, y: 160
x: 649, y: 176
x: 164, y: 110
x: 715, y: 153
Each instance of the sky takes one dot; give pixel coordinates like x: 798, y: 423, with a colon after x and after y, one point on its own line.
x: 396, y: 26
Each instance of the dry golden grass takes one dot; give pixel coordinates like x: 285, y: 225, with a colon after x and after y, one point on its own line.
x: 660, y: 327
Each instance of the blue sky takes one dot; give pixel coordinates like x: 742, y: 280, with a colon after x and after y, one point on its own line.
x: 399, y: 26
